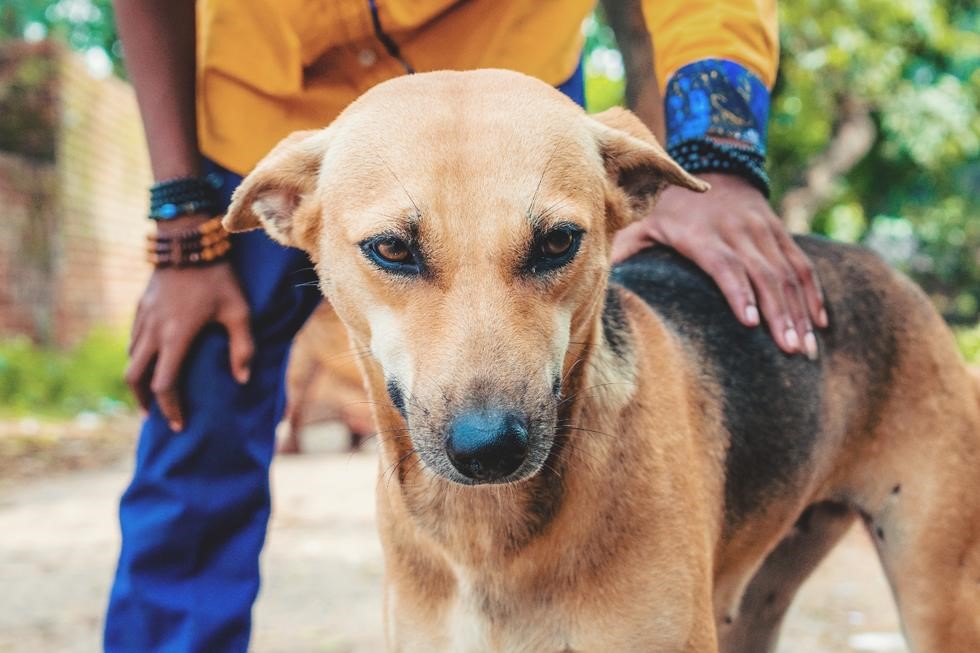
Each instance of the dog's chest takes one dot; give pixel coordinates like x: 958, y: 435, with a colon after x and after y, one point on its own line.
x: 478, y: 622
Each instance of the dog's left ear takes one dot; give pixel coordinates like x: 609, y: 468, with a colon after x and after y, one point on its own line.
x: 277, y: 194
x: 636, y: 163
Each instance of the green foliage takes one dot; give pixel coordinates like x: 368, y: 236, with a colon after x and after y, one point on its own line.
x: 87, y: 26
x: 969, y: 342
x: 41, y: 380
x: 915, y: 66
x: 605, y: 85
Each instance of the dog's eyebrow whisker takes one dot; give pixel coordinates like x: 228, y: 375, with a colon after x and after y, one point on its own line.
x: 418, y: 211
x: 549, y: 211
x: 530, y: 208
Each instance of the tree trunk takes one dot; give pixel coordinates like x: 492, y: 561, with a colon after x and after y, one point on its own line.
x: 625, y: 17
x: 851, y: 141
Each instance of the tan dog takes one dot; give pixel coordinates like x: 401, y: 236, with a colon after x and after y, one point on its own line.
x: 573, y: 463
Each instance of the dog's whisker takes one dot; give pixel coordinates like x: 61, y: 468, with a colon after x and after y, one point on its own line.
x: 592, y: 387
x: 389, y: 473
x: 585, y: 430
x: 354, y: 352
x: 308, y: 284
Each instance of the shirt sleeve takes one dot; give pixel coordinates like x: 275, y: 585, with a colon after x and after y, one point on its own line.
x: 715, y: 62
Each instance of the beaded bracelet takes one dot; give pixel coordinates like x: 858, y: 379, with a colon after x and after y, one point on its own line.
x: 205, y: 244
x: 705, y: 155
x: 183, y: 196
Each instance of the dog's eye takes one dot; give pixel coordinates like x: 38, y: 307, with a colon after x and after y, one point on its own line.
x: 392, y: 254
x: 393, y: 251
x: 553, y: 249
x: 556, y: 243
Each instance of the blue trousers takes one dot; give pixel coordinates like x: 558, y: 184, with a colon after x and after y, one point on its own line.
x: 194, y: 516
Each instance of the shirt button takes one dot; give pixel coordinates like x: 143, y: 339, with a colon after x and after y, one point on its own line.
x: 367, y: 57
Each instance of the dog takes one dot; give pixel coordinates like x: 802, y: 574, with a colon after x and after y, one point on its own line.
x: 579, y: 458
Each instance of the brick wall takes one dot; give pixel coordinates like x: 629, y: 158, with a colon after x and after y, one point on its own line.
x: 82, y: 214
x: 102, y: 176
x: 26, y: 241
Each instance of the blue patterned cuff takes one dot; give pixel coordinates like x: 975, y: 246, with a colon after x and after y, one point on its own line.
x: 717, y: 97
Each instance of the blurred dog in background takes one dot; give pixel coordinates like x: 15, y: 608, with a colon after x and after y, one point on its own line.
x: 323, y: 383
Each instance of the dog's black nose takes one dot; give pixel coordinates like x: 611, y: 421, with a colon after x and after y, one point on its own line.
x: 487, y: 445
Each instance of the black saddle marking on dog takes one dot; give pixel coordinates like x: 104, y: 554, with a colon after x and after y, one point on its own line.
x: 614, y: 326
x: 771, y: 401
x: 861, y: 329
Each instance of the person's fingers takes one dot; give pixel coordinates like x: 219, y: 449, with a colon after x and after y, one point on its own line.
x: 629, y: 240
x: 769, y: 288
x: 241, y: 347
x: 141, y: 356
x: 166, y: 376
x: 724, y: 266
x: 800, y: 330
x: 806, y: 273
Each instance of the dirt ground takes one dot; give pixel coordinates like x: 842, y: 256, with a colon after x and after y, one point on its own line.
x: 322, y: 566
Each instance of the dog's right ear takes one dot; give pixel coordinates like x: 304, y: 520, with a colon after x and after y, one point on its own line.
x: 277, y: 194
x: 636, y: 162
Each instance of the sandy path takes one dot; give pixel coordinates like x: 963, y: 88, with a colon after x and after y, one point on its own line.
x: 322, y: 565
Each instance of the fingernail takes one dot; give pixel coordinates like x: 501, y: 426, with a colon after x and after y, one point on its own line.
x: 823, y: 317
x: 176, y: 427
x: 810, y: 344
x: 792, y: 339
x: 244, y: 376
x: 752, y: 315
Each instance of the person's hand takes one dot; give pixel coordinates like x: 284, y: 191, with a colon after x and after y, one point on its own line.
x: 732, y: 234
x: 176, y: 305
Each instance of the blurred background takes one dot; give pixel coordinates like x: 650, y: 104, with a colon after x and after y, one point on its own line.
x: 874, y: 138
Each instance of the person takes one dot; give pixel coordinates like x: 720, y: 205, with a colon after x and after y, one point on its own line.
x: 219, y: 82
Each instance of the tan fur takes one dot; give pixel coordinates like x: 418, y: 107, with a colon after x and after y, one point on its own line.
x: 637, y: 555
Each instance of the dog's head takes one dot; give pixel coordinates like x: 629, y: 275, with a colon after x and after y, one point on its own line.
x: 461, y: 226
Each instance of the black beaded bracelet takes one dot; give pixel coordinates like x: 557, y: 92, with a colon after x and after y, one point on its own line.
x: 183, y: 196
x: 705, y: 155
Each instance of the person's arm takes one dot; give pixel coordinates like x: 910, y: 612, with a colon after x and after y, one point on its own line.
x: 716, y: 61
x: 158, y: 39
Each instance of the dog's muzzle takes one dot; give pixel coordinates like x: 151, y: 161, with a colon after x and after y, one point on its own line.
x: 487, y: 445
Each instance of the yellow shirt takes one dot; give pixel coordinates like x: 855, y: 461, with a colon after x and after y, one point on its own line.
x: 269, y: 67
